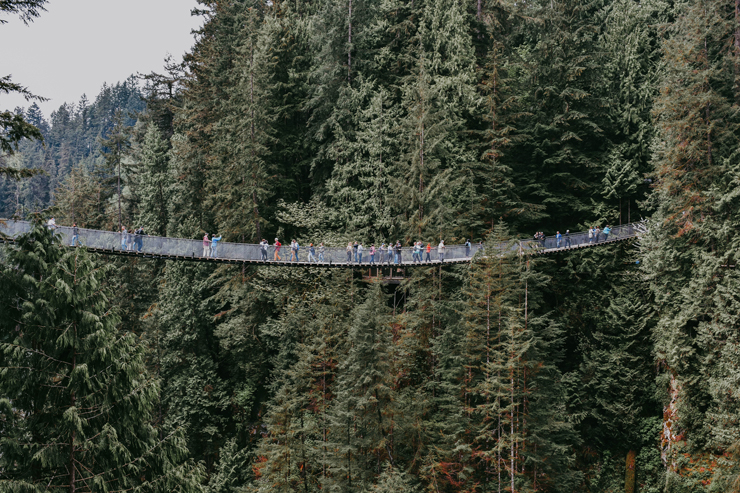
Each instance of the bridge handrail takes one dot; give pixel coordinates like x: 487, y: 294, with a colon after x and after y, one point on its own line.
x: 166, y: 246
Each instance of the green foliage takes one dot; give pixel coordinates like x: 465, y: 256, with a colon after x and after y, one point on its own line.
x: 77, y: 399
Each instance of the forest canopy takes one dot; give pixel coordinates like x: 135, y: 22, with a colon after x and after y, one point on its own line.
x: 334, y: 121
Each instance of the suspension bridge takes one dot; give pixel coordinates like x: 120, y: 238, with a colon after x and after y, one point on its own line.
x: 182, y: 249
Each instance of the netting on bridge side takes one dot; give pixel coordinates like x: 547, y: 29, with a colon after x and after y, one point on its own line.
x: 180, y: 247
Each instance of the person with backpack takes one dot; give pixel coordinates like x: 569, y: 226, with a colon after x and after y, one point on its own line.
x: 138, y: 239
x: 311, y: 253
x: 76, y: 236
x: 214, y: 245
x: 263, y: 250
x: 277, y: 256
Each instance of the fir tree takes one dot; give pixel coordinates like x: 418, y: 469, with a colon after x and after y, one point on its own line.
x: 75, y: 389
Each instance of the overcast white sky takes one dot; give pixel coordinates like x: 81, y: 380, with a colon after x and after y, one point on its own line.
x: 77, y: 45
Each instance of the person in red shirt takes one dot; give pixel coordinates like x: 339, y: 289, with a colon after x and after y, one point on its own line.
x: 277, y: 249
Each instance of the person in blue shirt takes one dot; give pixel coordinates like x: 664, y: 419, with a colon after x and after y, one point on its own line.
x: 606, y: 232
x: 559, y: 238
x: 214, y: 245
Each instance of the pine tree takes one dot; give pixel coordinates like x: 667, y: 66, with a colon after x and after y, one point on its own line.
x: 435, y: 191
x: 245, y: 133
x: 363, y: 413
x: 155, y: 183
x: 75, y: 390
x: 687, y: 255
x: 114, y: 148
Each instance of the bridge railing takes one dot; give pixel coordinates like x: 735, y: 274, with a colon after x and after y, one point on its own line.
x: 163, y: 246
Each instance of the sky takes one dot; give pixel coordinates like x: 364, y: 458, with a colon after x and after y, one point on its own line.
x: 77, y: 45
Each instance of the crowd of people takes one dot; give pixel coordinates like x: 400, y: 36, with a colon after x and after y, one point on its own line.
x: 595, y: 235
x: 132, y: 242
x: 390, y: 253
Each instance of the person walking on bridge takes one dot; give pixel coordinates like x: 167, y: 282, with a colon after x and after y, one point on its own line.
x: 467, y: 248
x: 263, y: 250
x: 597, y: 232
x: 139, y: 238
x: 214, y: 245
x: 349, y: 252
x: 294, y: 247
x: 591, y: 233
x: 354, y: 249
x: 76, y: 235
x: 558, y: 239
x: 277, y: 245
x: 567, y: 238
x: 321, y: 252
x: 360, y: 249
x: 607, y: 230
x: 206, y: 246
x: 429, y: 253
x: 372, y: 253
x: 383, y: 250
x: 399, y: 252
x: 441, y: 250
x: 311, y: 253
x: 52, y: 225
x: 124, y: 238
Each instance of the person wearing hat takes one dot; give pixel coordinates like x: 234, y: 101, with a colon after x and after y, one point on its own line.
x: 277, y: 250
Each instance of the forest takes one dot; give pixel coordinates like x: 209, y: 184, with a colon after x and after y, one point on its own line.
x: 610, y: 369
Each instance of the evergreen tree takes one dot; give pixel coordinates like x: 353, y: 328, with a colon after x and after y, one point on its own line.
x: 155, y: 183
x: 75, y: 390
x: 114, y: 148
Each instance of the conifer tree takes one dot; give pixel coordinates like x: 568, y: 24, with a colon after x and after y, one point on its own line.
x: 154, y: 183
x: 436, y: 192
x: 114, y: 148
x: 687, y: 252
x: 363, y: 412
x: 243, y: 182
x: 75, y: 394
